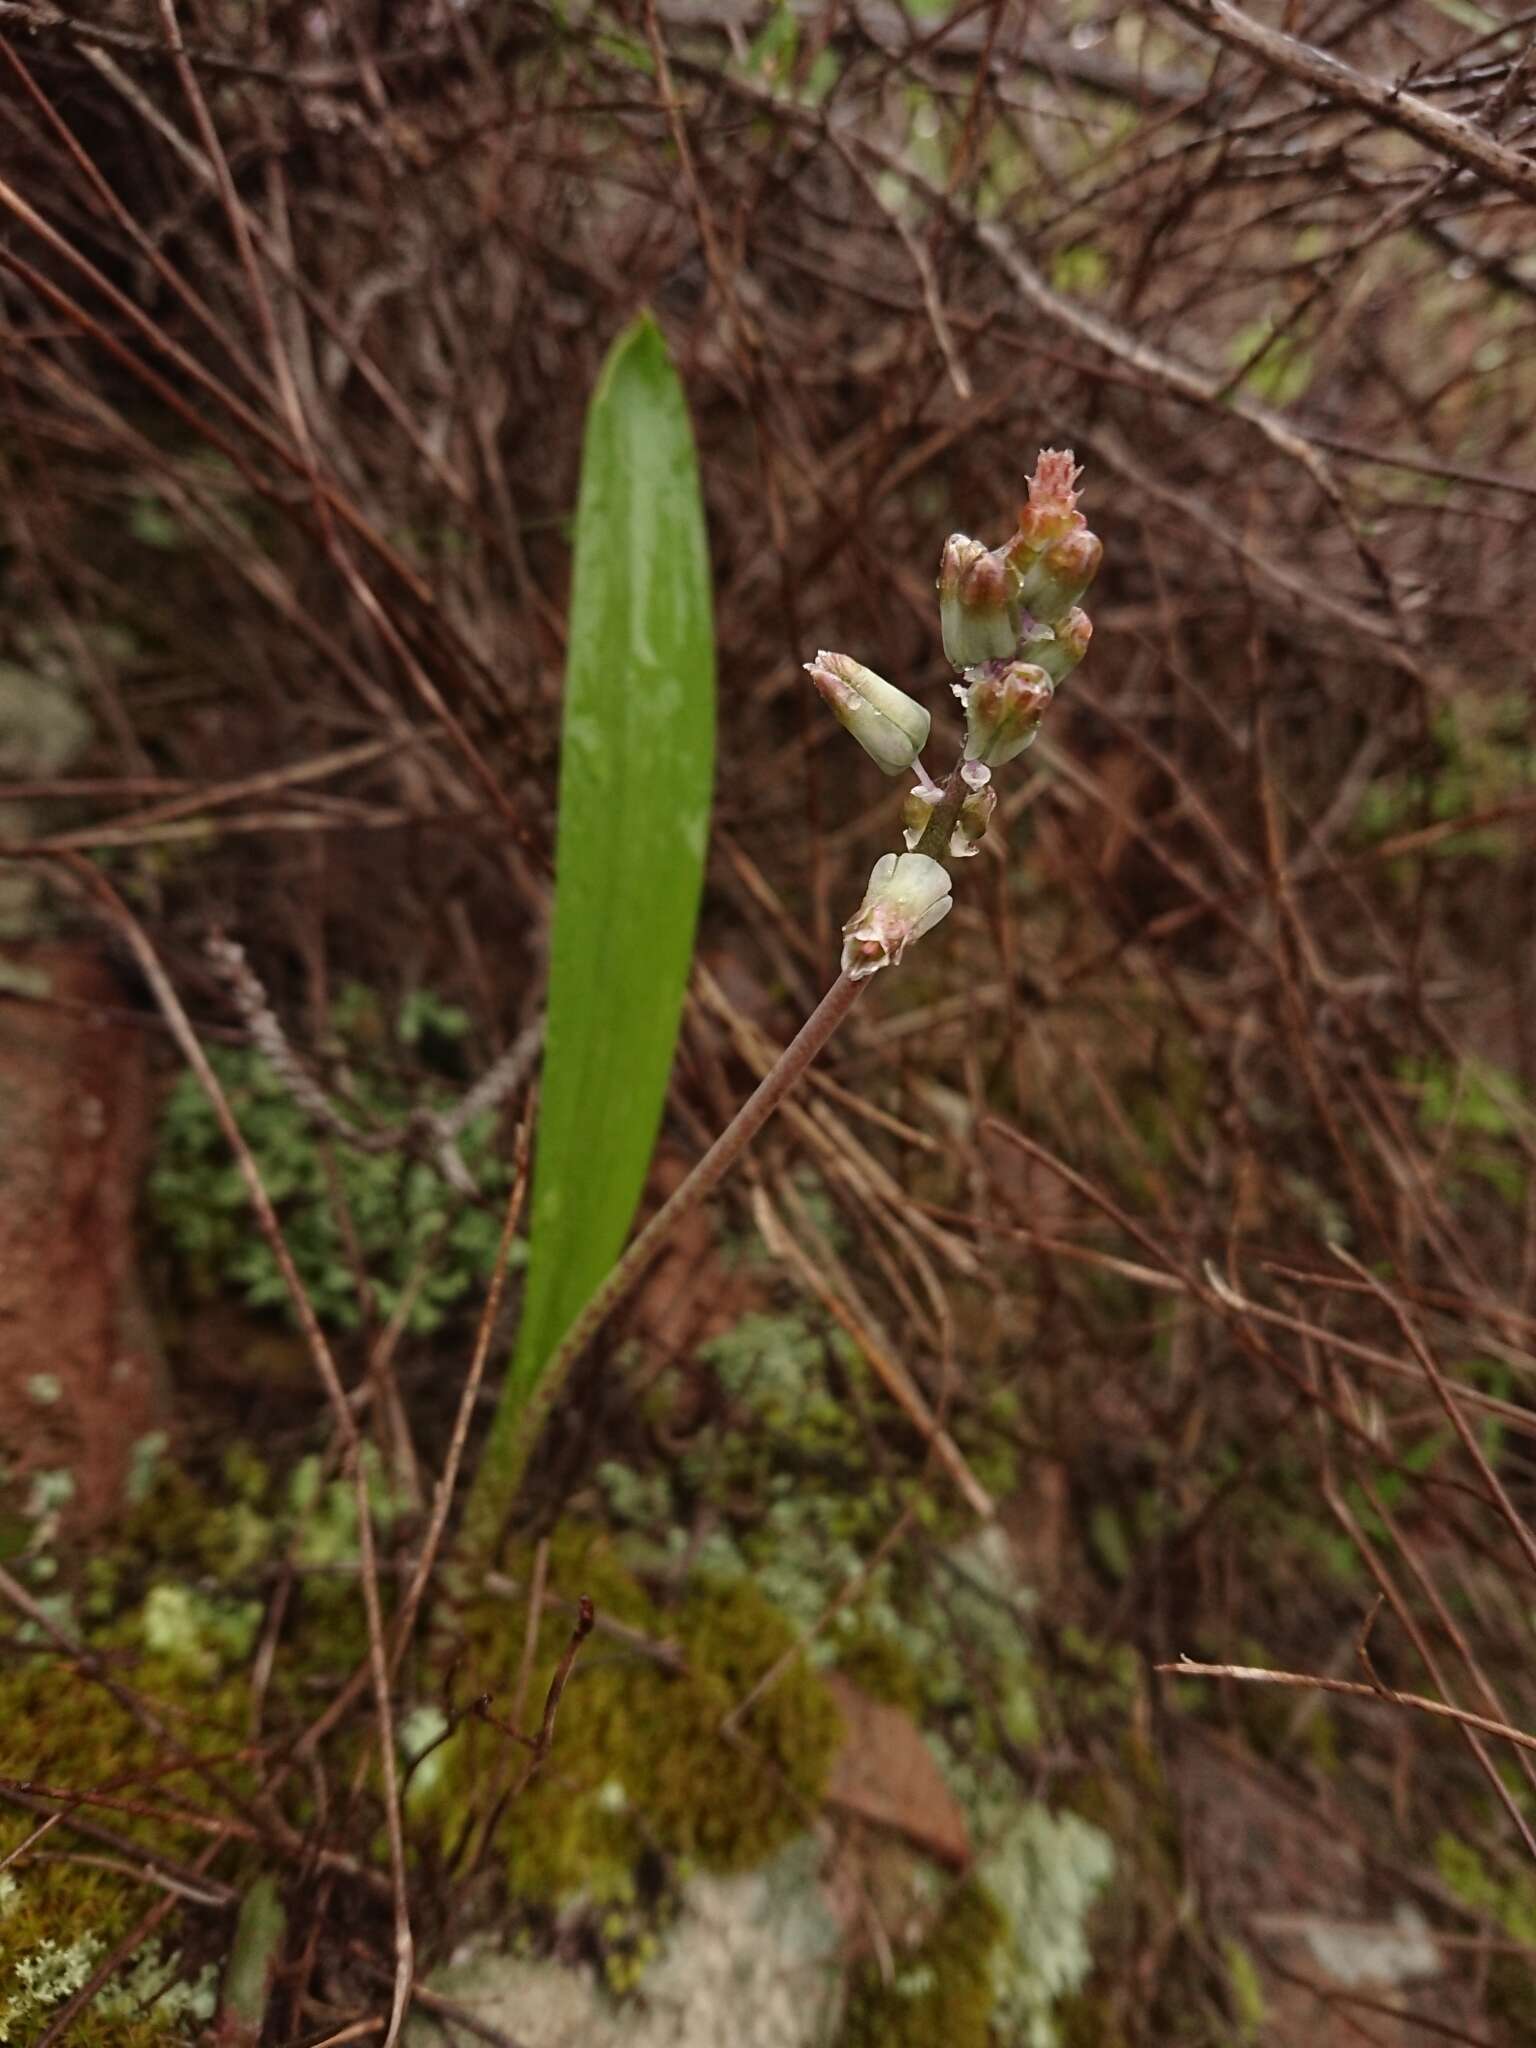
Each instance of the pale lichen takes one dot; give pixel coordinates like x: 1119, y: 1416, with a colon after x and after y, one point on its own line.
x: 1044, y: 1875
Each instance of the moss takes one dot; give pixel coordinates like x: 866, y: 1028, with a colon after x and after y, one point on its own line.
x: 942, y: 1991
x: 1088, y: 2022
x: 147, y: 2004
x: 174, y: 1607
x: 639, y: 1762
x: 161, y: 1606
x: 59, y: 1728
x: 181, y: 1535
x: 168, y: 1521
x: 59, y: 1917
x: 879, y: 1665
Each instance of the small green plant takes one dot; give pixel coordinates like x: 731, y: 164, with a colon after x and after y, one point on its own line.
x: 1274, y: 364
x: 1482, y: 756
x: 1508, y: 1899
x: 1477, y: 1112
x: 412, y: 1230
x: 1247, y: 1991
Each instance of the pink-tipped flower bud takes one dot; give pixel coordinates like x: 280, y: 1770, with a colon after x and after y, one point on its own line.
x: 1051, y: 586
x: 890, y: 726
x: 1051, y: 513
x: 907, y: 895
x: 977, y: 610
x: 971, y: 825
x: 1059, y: 649
x: 1004, y: 706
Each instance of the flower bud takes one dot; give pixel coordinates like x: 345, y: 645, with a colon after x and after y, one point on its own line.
x: 1053, y: 584
x: 915, y: 813
x: 971, y: 825
x: 977, y: 612
x: 889, y: 725
x: 1003, y: 709
x: 1051, y: 513
x: 907, y: 895
x: 1059, y: 650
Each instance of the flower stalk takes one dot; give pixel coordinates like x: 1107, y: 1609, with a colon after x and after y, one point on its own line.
x: 494, y: 1489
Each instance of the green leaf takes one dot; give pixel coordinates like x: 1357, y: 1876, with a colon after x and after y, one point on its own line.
x: 636, y: 769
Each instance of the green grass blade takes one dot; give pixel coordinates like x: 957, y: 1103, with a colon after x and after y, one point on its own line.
x: 636, y: 770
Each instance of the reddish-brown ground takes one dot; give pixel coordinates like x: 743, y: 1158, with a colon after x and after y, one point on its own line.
x: 80, y: 1383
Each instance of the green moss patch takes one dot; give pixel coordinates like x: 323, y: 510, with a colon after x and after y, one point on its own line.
x: 942, y: 1991
x: 62, y: 1908
x: 641, y: 1764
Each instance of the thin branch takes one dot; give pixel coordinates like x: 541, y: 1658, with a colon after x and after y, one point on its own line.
x: 442, y: 1499
x: 1392, y: 105
x: 1513, y: 1520
x: 1250, y: 1674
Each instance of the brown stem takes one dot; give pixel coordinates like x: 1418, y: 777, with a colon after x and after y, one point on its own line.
x: 518, y: 1422
x: 936, y: 833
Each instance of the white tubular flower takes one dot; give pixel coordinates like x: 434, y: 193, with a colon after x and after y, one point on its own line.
x: 907, y: 895
x: 890, y: 726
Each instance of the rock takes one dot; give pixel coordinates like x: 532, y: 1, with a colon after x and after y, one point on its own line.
x: 1285, y: 1881
x: 752, y: 1960
x: 1359, y: 1955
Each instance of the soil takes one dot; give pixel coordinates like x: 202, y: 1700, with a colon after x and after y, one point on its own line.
x: 80, y: 1378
